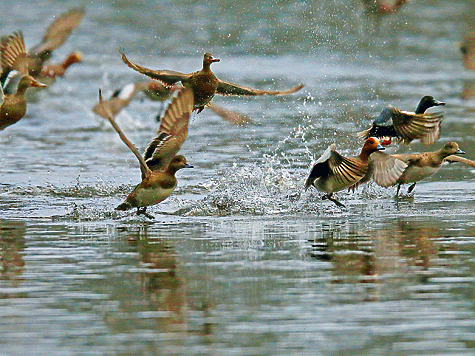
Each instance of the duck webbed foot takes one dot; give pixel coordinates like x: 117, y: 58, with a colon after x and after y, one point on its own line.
x: 329, y: 197
x: 142, y: 211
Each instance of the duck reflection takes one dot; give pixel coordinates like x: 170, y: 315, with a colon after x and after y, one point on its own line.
x: 12, y: 245
x: 160, y: 280
x: 363, y: 255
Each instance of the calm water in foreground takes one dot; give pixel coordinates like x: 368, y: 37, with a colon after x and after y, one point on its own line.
x: 240, y: 260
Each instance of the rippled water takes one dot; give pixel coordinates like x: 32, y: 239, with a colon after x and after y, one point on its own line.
x: 240, y: 260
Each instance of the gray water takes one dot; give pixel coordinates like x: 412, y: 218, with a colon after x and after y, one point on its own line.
x: 239, y: 260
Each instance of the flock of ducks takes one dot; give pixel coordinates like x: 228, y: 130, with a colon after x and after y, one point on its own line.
x: 332, y: 172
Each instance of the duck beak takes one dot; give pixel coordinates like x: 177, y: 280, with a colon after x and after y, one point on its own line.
x: 460, y: 152
x: 380, y: 147
x: 215, y: 60
x: 439, y: 103
x: 38, y: 84
x: 188, y: 166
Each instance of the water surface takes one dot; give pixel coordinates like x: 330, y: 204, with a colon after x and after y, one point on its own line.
x: 240, y: 260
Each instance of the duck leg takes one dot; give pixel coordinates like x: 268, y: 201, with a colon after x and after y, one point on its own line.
x: 142, y: 211
x: 411, y: 188
x: 329, y: 197
x: 398, y: 188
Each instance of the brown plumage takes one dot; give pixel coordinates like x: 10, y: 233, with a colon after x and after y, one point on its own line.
x: 406, y: 126
x: 418, y: 165
x: 172, y: 132
x: 13, y: 106
x: 160, y: 162
x: 58, y: 70
x: 203, y: 83
x: 13, y: 56
x: 119, y: 99
x: 333, y: 172
x: 56, y: 34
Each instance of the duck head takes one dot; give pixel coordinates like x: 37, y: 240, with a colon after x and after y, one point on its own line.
x: 427, y: 102
x: 451, y: 148
x: 208, y: 59
x: 178, y: 162
x: 371, y: 145
x: 28, y: 81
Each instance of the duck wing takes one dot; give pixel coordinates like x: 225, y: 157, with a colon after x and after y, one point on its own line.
x: 172, y: 132
x: 2, y: 96
x: 386, y: 169
x: 13, y: 55
x: 346, y: 170
x: 321, y: 167
x: 229, y: 115
x: 119, y: 100
x: 58, y: 32
x: 143, y: 166
x: 227, y: 88
x: 166, y: 76
x: 410, y: 126
x: 454, y: 158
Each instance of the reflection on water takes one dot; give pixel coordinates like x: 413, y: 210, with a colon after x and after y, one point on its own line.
x: 12, y: 245
x: 240, y: 260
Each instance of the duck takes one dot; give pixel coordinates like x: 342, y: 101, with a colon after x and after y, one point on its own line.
x: 203, y: 82
x: 467, y: 48
x: 12, y: 101
x: 160, y: 161
x: 418, y: 165
x: 333, y: 172
x: 157, y: 91
x: 13, y: 106
x: 52, y: 71
x: 119, y: 99
x: 55, y: 35
x: 407, y: 126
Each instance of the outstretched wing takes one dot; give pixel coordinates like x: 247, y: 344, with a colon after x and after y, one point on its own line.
x: 109, y: 116
x: 167, y: 76
x: 119, y: 100
x: 172, y: 132
x: 229, y: 115
x: 386, y: 169
x: 410, y: 126
x: 227, y: 88
x: 58, y: 31
x: 454, y: 158
x: 14, y: 55
x: 346, y: 170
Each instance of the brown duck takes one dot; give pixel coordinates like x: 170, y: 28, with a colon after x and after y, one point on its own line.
x: 55, y: 35
x: 160, y: 161
x: 418, y: 165
x: 157, y: 91
x: 14, y: 58
x: 203, y: 83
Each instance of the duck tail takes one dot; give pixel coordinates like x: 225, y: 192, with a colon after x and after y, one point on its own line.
x: 364, y: 134
x: 124, y: 206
